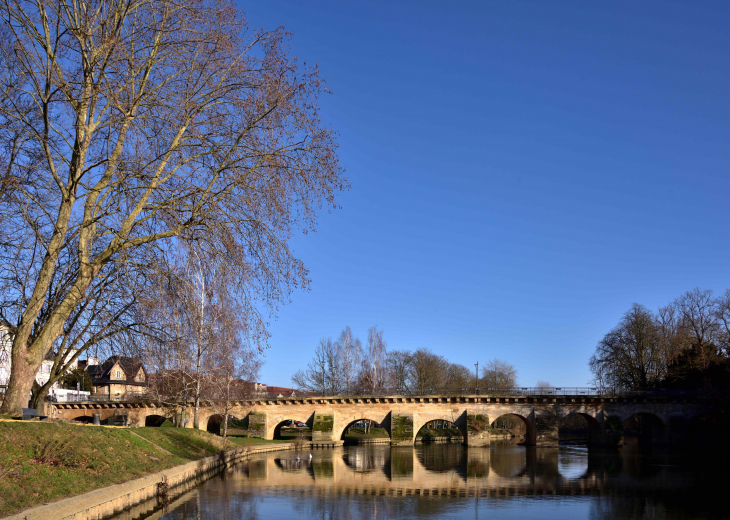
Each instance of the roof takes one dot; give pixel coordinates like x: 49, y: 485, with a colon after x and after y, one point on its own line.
x: 101, y: 374
x: 274, y: 391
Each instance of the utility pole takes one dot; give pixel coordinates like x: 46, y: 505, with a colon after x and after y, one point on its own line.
x: 476, y: 379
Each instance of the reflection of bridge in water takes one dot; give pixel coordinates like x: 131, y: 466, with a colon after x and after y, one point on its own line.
x: 454, y: 471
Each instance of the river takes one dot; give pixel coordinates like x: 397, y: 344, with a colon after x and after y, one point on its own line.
x: 450, y: 482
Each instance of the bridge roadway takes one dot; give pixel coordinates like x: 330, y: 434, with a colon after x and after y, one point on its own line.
x: 664, y: 419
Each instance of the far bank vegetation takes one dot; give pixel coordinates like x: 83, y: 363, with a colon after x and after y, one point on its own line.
x: 347, y: 367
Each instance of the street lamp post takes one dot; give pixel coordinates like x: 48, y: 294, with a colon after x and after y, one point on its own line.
x: 476, y: 378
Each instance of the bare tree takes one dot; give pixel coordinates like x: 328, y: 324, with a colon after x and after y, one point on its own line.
x: 427, y: 372
x: 498, y: 377
x: 673, y: 332
x: 698, y: 314
x: 458, y: 379
x: 234, y: 369
x: 106, y: 321
x: 322, y: 376
x: 723, y: 318
x: 349, y: 354
x: 631, y: 355
x: 142, y: 125
x: 398, y: 363
x: 374, y: 370
x: 543, y: 387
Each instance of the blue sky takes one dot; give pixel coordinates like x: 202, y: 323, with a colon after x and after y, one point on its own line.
x: 522, y: 172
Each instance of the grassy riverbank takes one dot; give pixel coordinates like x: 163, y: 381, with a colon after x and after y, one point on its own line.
x: 44, y: 461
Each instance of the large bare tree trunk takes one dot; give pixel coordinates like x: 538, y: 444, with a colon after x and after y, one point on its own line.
x: 20, y: 384
x: 38, y: 401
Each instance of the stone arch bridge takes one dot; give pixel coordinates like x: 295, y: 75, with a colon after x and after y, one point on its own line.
x: 664, y: 418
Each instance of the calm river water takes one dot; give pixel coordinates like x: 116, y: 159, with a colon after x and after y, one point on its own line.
x: 450, y: 481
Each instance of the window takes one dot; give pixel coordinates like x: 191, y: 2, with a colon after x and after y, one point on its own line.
x: 119, y: 374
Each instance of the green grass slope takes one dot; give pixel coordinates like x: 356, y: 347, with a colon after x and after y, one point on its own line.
x: 45, y: 461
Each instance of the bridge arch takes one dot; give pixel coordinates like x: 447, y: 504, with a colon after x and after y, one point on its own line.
x: 530, y: 431
x: 646, y: 427
x: 432, y: 424
x: 214, y: 422
x: 155, y: 421
x: 342, y: 421
x: 280, y: 423
x: 594, y: 430
x: 347, y: 426
x: 424, y: 419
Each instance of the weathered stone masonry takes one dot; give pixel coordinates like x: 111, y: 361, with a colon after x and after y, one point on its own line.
x: 404, y: 416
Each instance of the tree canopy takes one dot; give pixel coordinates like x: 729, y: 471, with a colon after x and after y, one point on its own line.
x: 131, y: 129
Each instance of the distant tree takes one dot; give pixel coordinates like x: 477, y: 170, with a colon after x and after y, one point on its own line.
x: 698, y: 313
x: 458, y: 379
x: 322, y: 375
x: 374, y: 370
x: 498, y: 377
x: 543, y: 387
x: 234, y: 370
x: 700, y: 354
x: 723, y: 318
x: 80, y: 376
x: 398, y: 364
x: 674, y: 334
x: 427, y: 372
x: 349, y: 356
x: 631, y: 355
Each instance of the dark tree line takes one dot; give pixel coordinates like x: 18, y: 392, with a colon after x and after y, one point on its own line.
x: 684, y: 344
x: 345, y: 367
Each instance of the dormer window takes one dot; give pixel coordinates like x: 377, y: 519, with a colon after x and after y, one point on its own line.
x: 119, y: 374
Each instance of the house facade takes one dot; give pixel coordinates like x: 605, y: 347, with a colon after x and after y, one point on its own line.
x: 119, y: 378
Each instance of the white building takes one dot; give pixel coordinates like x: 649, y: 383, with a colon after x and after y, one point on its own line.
x: 44, y: 372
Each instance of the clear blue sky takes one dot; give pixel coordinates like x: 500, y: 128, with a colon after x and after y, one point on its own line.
x: 522, y: 172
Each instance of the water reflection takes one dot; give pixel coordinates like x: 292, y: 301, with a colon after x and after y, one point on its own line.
x: 449, y: 481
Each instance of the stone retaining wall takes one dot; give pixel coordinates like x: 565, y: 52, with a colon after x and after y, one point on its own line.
x: 105, y: 502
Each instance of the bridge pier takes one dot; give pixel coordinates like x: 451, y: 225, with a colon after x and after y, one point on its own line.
x: 323, y: 427
x: 545, y: 427
x: 477, y: 429
x: 402, y: 429
x: 597, y: 432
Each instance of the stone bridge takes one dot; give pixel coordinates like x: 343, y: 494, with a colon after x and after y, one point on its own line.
x: 662, y: 419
